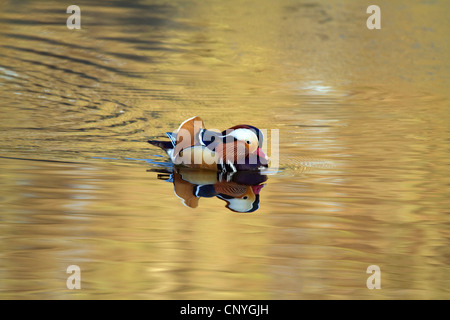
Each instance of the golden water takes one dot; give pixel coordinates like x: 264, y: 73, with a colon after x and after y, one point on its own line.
x: 363, y: 117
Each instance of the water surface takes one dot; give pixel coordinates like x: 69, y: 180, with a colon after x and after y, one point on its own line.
x: 364, y: 149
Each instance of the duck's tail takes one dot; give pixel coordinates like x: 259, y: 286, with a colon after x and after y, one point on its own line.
x: 165, y: 145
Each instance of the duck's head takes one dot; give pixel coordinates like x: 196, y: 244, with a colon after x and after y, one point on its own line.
x: 251, y: 136
x: 248, y: 202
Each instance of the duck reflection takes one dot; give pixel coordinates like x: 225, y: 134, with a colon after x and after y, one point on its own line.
x: 240, y: 190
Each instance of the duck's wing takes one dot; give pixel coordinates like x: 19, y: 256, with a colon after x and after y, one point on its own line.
x: 188, y: 133
x: 233, y: 189
x: 197, y: 157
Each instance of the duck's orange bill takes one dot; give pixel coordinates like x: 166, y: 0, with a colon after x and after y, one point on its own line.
x: 261, y: 154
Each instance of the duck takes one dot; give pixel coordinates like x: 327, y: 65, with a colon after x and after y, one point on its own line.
x: 238, y: 148
x: 239, y: 190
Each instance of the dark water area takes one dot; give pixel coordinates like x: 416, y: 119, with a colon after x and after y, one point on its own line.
x: 362, y: 172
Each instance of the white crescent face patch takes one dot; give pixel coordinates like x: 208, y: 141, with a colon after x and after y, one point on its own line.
x: 240, y: 205
x: 247, y: 136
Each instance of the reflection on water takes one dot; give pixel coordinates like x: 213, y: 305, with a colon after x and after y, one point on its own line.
x: 240, y: 190
x: 363, y: 137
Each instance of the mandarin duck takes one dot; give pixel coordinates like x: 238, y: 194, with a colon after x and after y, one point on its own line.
x: 240, y: 190
x: 235, y: 149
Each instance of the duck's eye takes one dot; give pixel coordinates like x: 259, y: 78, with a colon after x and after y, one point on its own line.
x: 245, y: 198
x: 248, y: 142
